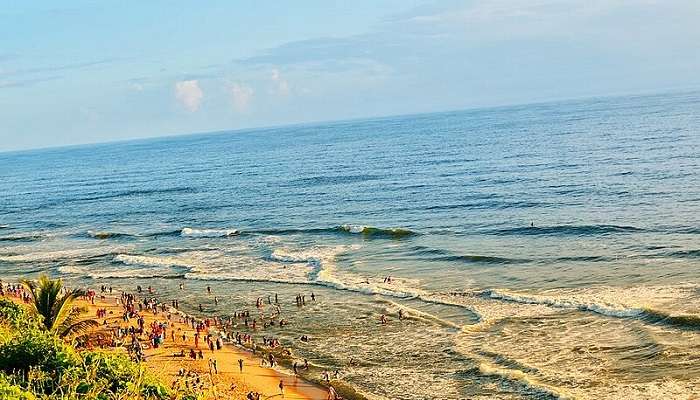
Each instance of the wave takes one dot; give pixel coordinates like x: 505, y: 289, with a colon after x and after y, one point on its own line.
x: 108, y: 235
x: 22, y: 238
x: 604, y: 309
x: 541, y: 390
x: 150, y: 261
x: 473, y: 259
x: 332, y: 180
x: 433, y: 254
x: 370, y: 231
x: 129, y: 193
x: 683, y: 254
x: 365, y: 231
x: 52, y: 256
x: 687, y: 321
x: 567, y: 230
x: 104, y: 235
x: 117, y: 273
x: 208, y: 233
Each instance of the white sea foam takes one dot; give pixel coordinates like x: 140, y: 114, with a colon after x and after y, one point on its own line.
x: 56, y: 255
x: 153, y: 261
x: 208, y: 233
x: 110, y: 272
x: 622, y: 302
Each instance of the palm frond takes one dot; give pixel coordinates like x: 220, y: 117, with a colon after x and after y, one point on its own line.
x: 53, y: 307
x: 77, y: 328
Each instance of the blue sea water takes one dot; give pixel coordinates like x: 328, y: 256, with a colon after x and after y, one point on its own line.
x: 540, y: 251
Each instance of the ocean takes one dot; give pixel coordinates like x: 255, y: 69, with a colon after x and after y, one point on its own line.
x: 538, y: 251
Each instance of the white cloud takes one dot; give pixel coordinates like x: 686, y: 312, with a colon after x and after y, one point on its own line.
x: 241, y: 95
x: 280, y: 85
x: 189, y: 94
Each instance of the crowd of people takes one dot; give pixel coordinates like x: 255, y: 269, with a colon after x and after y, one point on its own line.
x: 240, y: 328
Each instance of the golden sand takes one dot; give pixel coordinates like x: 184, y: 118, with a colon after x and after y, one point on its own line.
x: 228, y: 383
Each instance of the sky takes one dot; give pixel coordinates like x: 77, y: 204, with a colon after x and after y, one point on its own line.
x: 78, y: 72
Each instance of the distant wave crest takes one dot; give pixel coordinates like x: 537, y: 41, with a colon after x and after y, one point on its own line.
x: 568, y: 230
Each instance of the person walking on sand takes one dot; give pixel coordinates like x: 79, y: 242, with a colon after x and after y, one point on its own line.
x: 281, y: 386
x: 240, y: 364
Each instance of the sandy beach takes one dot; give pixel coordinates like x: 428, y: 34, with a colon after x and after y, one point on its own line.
x: 167, y: 362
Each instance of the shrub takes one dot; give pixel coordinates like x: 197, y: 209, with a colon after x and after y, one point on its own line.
x: 35, y: 349
x: 15, y: 315
x: 118, y: 374
x: 10, y: 391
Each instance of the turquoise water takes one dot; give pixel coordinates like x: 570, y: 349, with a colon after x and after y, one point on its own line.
x: 540, y: 251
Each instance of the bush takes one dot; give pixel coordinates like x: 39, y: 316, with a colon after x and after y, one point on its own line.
x: 118, y: 374
x: 10, y: 391
x: 35, y: 349
x: 15, y: 315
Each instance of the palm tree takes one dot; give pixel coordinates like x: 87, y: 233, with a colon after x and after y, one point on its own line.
x: 52, y: 305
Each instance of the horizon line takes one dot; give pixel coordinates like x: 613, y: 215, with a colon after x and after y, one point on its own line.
x: 641, y: 93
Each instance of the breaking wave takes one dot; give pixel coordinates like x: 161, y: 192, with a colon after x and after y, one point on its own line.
x: 648, y: 314
x: 604, y: 309
x: 208, y: 233
x: 370, y: 231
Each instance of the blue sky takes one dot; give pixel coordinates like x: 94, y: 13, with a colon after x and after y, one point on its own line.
x: 94, y: 71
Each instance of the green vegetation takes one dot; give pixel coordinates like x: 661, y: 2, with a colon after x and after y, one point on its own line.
x: 37, y: 364
x: 53, y: 307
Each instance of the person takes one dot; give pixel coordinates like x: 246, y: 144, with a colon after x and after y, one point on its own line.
x: 296, y: 372
x: 209, y: 289
x: 182, y: 286
x: 332, y: 394
x: 313, y: 296
x: 216, y: 367
x: 383, y: 319
x: 281, y: 385
x: 216, y: 300
x: 240, y: 364
x: 400, y: 314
